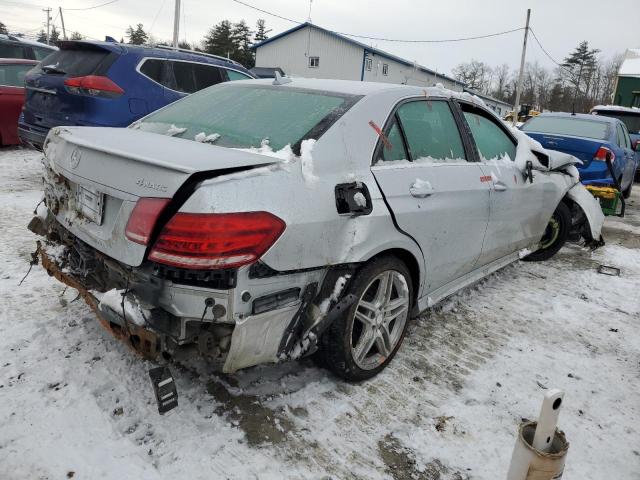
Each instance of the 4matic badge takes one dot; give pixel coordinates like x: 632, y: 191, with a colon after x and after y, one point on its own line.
x: 144, y: 183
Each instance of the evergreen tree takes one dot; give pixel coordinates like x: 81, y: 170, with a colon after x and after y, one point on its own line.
x: 76, y: 36
x: 184, y: 45
x: 241, y: 34
x: 3, y: 29
x: 54, y: 36
x: 261, y: 32
x: 137, y: 36
x: 42, y: 37
x: 581, y: 65
x: 219, y: 40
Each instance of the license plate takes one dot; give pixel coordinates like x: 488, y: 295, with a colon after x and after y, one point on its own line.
x: 90, y: 203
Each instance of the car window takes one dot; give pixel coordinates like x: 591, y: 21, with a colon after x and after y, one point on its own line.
x: 620, y: 136
x: 246, y: 115
x: 76, y: 62
x: 206, y: 75
x: 630, y: 119
x: 431, y: 131
x: 184, y: 77
x: 577, y: 127
x: 41, y: 53
x: 152, y: 68
x: 492, y: 141
x: 13, y: 75
x: 233, y: 75
x: 627, y: 139
x: 393, y: 149
x: 10, y: 50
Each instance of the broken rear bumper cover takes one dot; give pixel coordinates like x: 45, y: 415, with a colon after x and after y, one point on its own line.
x: 161, y: 322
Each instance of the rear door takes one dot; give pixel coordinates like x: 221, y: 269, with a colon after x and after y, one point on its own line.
x: 11, y: 99
x: 433, y: 187
x: 519, y: 209
x: 48, y: 103
x: 624, y: 142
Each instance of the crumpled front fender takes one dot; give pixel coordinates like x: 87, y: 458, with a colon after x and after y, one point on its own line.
x: 590, y: 207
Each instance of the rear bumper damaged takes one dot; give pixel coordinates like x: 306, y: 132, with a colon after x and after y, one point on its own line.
x: 240, y: 340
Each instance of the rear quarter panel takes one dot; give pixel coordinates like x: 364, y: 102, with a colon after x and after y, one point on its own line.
x: 316, y: 235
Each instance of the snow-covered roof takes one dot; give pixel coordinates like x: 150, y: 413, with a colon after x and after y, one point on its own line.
x: 631, y: 64
x: 617, y: 108
x: 33, y: 43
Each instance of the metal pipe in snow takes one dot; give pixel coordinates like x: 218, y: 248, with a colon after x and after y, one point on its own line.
x: 541, y: 449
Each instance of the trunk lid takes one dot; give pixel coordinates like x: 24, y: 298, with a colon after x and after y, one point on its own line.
x: 582, y: 148
x: 94, y: 177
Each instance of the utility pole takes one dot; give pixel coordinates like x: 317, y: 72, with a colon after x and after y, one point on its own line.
x: 516, y: 107
x: 176, y: 24
x: 48, y: 12
x: 64, y: 31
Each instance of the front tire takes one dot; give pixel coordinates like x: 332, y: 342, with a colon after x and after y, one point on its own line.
x: 365, y: 339
x: 555, y: 235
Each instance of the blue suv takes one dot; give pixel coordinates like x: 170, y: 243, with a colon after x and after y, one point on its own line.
x: 109, y: 84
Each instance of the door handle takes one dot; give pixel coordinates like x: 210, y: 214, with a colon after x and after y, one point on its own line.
x: 499, y: 186
x: 421, y: 189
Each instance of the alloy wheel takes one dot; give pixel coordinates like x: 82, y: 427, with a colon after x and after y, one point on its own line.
x: 379, y: 319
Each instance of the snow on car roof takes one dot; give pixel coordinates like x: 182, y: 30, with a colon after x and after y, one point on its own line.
x: 353, y: 87
x: 617, y: 108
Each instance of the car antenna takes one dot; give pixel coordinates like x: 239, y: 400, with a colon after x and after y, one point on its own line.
x: 280, y: 80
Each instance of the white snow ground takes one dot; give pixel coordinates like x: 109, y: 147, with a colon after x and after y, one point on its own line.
x: 73, y: 399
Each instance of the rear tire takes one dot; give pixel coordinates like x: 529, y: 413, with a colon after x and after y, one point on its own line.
x: 365, y: 339
x: 555, y: 235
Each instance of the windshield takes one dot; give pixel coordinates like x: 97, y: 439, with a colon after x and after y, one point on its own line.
x: 575, y: 127
x: 631, y: 120
x: 246, y: 116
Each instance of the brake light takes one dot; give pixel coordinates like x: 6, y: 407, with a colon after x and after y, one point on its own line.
x: 601, y: 154
x: 93, y: 85
x: 208, y: 241
x: 143, y: 218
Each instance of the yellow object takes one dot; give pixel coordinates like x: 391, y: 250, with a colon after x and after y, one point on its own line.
x: 607, y: 193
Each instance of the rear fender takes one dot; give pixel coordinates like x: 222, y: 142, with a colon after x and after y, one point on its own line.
x: 579, y: 195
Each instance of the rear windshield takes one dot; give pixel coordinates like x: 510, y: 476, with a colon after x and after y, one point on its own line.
x: 575, y: 127
x: 631, y: 120
x: 244, y: 116
x: 13, y: 75
x: 74, y: 62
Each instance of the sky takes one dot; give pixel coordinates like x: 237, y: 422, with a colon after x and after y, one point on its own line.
x: 559, y: 24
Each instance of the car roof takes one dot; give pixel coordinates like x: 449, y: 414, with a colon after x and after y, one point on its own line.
x: 26, y: 41
x: 616, y: 108
x: 151, y: 50
x: 18, y: 61
x: 354, y: 87
x: 581, y: 116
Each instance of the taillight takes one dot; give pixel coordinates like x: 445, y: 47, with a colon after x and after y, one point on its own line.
x: 93, y: 85
x: 602, y: 153
x: 208, y: 241
x: 143, y: 218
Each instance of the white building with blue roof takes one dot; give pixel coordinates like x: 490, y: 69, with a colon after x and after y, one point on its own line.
x: 314, y: 52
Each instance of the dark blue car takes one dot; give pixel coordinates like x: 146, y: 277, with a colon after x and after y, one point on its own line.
x: 590, y: 138
x: 109, y: 84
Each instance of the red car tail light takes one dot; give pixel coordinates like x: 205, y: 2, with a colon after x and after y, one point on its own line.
x: 93, y: 85
x: 143, y: 218
x: 207, y: 241
x: 601, y: 155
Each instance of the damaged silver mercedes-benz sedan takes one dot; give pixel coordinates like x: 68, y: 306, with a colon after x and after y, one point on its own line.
x: 261, y: 221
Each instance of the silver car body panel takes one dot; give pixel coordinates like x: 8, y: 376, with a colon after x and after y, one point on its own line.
x: 464, y: 229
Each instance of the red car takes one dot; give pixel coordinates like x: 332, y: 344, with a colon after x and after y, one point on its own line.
x: 12, y: 72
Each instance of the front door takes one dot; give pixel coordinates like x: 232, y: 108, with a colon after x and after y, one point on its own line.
x: 437, y: 195
x: 519, y: 209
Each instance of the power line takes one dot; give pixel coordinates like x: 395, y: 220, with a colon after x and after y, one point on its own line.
x: 381, y: 39
x: 561, y: 66
x: 95, y: 6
